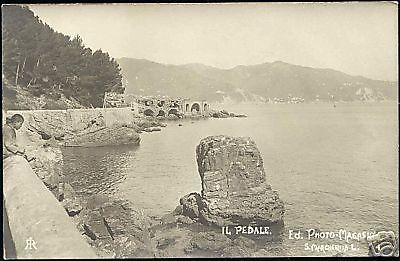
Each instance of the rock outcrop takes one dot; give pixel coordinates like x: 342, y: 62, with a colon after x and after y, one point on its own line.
x: 115, y: 135
x: 225, y: 114
x: 48, y: 164
x: 151, y: 129
x: 115, y: 228
x: 45, y: 156
x: 69, y: 200
x: 147, y: 122
x: 190, y: 205
x: 208, y: 241
x: 48, y: 124
x: 85, y: 127
x: 234, y: 185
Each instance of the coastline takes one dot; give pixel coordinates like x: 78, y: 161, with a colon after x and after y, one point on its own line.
x: 160, y: 226
x: 45, y: 140
x: 177, y: 233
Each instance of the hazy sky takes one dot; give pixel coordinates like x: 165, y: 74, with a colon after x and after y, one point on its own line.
x: 357, y: 38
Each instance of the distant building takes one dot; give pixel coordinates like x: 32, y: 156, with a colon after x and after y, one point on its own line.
x: 158, y: 106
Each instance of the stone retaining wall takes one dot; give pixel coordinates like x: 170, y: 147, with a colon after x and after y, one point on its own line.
x: 39, y: 225
x: 75, y: 120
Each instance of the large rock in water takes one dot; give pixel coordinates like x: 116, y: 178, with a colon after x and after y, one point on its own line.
x: 234, y: 185
x: 115, y: 135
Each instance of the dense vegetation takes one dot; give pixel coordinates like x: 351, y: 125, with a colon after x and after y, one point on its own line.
x: 42, y: 62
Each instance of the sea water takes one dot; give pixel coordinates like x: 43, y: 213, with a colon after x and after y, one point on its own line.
x: 336, y: 169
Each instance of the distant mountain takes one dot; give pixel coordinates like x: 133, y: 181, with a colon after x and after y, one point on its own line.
x: 253, y: 83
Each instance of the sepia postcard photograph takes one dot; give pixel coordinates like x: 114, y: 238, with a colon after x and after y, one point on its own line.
x: 160, y: 130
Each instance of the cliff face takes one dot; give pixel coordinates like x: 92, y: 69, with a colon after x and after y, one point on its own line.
x: 84, y: 128
x: 43, y: 150
x: 48, y: 124
x: 114, y: 228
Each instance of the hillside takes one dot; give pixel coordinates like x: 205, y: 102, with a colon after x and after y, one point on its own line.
x: 251, y: 83
x: 44, y: 69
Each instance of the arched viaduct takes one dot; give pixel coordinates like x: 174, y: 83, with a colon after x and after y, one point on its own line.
x: 166, y: 107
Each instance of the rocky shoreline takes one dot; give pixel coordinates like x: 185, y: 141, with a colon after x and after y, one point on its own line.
x: 116, y: 228
x: 234, y: 197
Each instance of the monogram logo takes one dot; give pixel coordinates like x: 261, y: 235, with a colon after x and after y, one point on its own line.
x: 384, y: 243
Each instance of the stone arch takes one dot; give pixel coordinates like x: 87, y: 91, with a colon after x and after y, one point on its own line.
x: 206, y: 107
x: 173, y: 111
x: 148, y: 103
x: 161, y: 103
x: 195, y: 107
x: 174, y: 104
x: 187, y: 107
x: 148, y: 112
x: 161, y: 113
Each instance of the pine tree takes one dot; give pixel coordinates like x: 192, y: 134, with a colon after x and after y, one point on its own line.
x: 45, y: 62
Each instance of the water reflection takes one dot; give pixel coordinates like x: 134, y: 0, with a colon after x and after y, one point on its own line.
x: 333, y: 168
x: 97, y: 174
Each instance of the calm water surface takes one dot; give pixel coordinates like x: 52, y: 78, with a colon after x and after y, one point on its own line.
x: 333, y: 167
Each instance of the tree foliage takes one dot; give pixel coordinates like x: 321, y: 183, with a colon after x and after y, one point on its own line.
x: 45, y: 62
